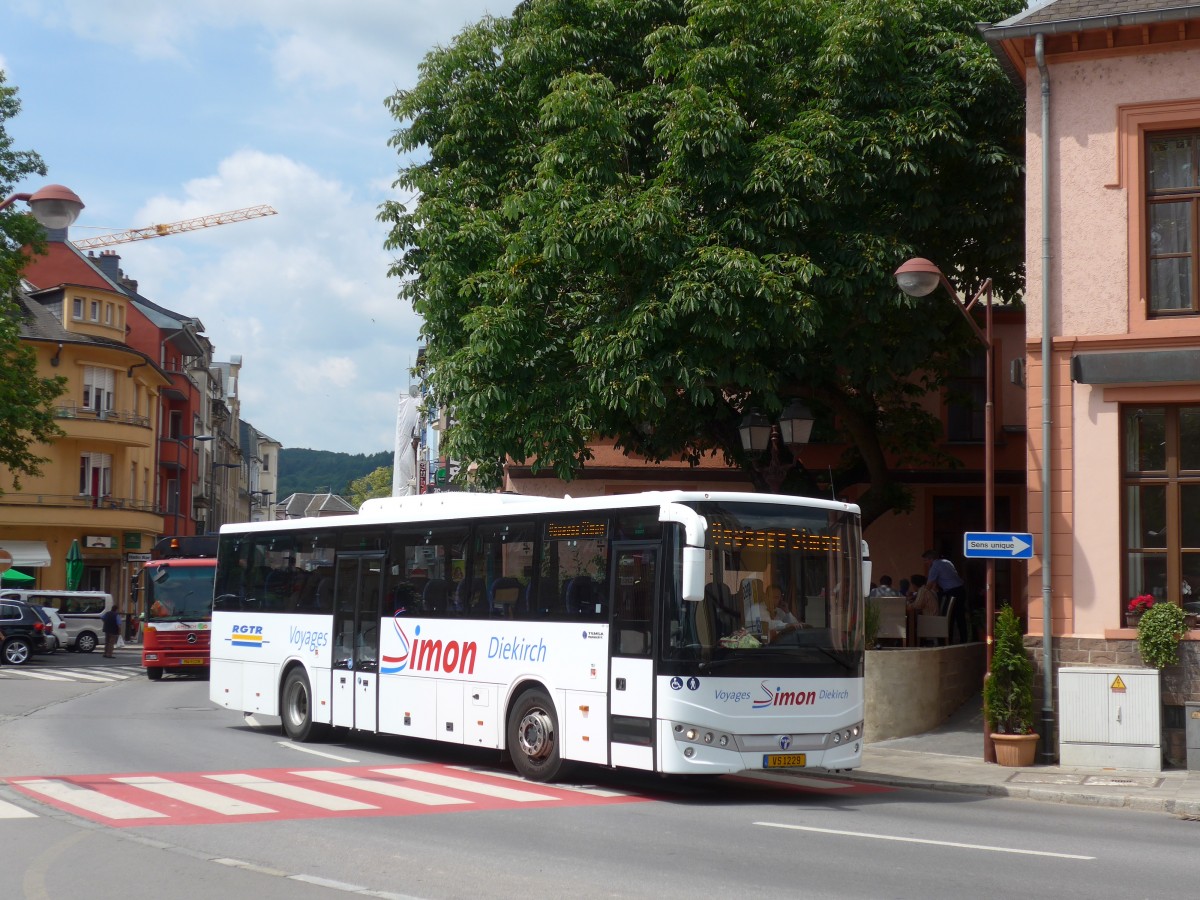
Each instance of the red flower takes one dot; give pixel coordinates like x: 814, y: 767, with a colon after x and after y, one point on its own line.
x: 1140, y: 603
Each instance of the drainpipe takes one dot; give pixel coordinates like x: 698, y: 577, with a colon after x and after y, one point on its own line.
x: 1048, y: 755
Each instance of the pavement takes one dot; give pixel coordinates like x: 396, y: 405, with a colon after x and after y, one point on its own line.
x: 950, y: 758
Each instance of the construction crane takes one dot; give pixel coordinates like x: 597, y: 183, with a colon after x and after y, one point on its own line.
x: 153, y: 231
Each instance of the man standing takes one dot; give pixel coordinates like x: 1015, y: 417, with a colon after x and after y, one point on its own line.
x: 946, y: 579
x: 112, y: 628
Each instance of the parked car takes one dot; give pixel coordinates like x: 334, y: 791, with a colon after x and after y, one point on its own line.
x: 81, y: 610
x: 24, y: 629
x: 57, y: 636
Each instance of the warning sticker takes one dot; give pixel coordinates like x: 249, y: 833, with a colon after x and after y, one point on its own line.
x: 1118, y: 685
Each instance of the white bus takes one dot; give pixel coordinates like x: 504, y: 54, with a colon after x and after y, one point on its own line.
x: 627, y: 631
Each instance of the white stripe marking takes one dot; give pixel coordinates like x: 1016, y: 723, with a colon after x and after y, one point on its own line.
x: 88, y: 800
x: 574, y: 788
x: 382, y: 787
x: 292, y: 746
x: 40, y: 675
x: 194, y: 796
x: 909, y: 840
x: 12, y: 811
x: 465, y: 784
x: 291, y: 792
x: 90, y: 676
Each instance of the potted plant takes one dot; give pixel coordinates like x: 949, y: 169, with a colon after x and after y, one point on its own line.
x: 1159, y: 633
x: 1136, y: 608
x: 1008, y: 694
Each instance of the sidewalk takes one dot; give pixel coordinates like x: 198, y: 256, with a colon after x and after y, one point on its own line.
x: 951, y: 759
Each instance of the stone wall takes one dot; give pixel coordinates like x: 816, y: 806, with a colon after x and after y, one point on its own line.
x: 1179, y: 684
x: 914, y: 690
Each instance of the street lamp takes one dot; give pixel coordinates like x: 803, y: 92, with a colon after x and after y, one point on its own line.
x: 918, y: 278
x: 793, y: 430
x: 179, y: 439
x: 54, y: 206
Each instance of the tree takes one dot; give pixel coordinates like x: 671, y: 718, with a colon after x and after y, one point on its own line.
x: 373, y: 484
x: 26, y: 400
x: 643, y: 220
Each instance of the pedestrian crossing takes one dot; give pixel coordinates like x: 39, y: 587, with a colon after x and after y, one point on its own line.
x: 80, y: 674
x: 276, y: 794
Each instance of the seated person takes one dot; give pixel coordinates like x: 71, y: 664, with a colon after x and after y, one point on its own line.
x: 776, y: 619
x: 925, y: 598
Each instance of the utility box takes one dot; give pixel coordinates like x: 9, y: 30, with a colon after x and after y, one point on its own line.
x: 1192, y: 735
x: 1110, y: 718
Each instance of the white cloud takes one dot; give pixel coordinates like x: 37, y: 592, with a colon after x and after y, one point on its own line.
x: 303, y: 297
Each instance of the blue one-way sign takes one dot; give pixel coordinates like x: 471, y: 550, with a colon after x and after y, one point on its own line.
x: 997, y: 545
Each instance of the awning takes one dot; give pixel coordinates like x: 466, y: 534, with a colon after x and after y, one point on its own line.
x: 30, y: 554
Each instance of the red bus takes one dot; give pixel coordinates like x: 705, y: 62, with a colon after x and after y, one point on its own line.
x: 177, y: 600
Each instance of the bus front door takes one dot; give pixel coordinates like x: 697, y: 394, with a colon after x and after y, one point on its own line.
x: 358, y: 593
x: 633, y: 580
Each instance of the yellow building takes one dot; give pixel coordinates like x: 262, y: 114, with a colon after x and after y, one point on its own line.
x: 98, y: 485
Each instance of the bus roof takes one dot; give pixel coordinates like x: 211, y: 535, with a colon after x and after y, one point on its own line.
x: 185, y: 546
x: 462, y: 504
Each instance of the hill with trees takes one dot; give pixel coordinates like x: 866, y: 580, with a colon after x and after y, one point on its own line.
x: 318, y: 471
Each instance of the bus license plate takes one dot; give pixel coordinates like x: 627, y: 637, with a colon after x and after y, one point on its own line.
x: 191, y: 661
x: 783, y: 760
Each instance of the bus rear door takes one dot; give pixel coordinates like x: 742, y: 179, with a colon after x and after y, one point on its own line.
x: 358, y: 593
x: 633, y: 581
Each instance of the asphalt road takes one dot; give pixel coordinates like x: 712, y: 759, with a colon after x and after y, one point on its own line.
x: 417, y: 820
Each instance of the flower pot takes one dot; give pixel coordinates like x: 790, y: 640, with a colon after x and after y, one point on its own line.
x: 1015, y: 749
x: 1132, y: 619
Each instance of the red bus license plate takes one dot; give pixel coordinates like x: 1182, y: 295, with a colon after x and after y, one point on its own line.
x: 783, y: 760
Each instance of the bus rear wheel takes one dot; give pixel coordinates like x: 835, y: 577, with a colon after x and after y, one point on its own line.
x: 533, y: 740
x: 296, y: 708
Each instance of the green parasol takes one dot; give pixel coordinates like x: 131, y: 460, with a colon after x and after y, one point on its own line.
x: 74, y: 566
x: 12, y: 576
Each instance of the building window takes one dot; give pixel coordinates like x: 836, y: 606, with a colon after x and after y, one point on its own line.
x: 95, y: 474
x: 77, y: 309
x: 108, y: 313
x: 1161, y: 508
x: 966, y: 401
x: 95, y: 310
x: 1173, y: 217
x: 97, y: 389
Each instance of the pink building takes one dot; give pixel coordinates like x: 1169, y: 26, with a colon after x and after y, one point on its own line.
x: 1113, y: 322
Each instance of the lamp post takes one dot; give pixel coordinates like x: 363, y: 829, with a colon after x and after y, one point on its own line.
x: 54, y: 206
x: 793, y: 430
x: 918, y: 278
x: 179, y: 441
x: 264, y: 502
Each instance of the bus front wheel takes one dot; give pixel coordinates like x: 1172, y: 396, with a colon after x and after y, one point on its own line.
x: 533, y: 740
x: 296, y: 708
x: 154, y: 673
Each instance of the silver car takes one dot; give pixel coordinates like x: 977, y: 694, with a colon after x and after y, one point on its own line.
x: 56, y: 634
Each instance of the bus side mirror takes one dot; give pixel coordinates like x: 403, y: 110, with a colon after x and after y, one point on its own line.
x: 693, y: 574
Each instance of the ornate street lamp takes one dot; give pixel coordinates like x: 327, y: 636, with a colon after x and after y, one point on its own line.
x: 793, y: 430
x: 918, y: 278
x: 54, y: 206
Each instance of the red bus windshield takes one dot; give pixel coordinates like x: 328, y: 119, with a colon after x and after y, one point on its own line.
x: 178, y: 590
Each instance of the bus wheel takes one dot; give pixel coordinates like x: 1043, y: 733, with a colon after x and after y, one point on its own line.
x: 154, y: 673
x: 296, y: 708
x: 533, y: 737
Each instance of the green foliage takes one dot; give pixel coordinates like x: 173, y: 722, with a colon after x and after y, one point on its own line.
x: 1008, y: 693
x: 1159, y: 632
x: 26, y: 400
x: 320, y: 471
x: 872, y: 617
x: 375, y: 484
x: 641, y: 219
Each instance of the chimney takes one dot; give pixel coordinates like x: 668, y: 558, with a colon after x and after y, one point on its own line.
x: 108, y: 262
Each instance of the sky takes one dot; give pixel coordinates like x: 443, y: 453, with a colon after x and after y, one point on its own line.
x: 156, y: 111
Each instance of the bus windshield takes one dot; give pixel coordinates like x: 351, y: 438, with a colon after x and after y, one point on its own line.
x: 175, y: 593
x: 784, y: 589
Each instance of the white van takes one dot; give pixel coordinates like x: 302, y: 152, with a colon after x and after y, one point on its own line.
x: 80, y: 611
